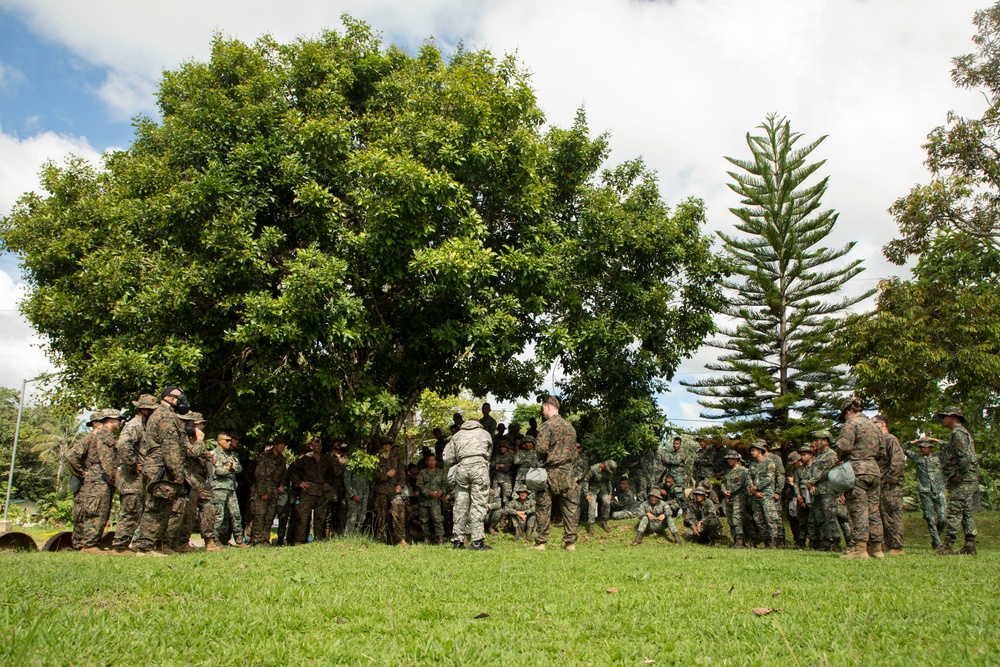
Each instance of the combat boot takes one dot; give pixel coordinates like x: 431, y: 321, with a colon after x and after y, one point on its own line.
x: 738, y: 542
x: 530, y: 535
x: 677, y: 538
x: 945, y: 549
x: 492, y: 530
x: 638, y: 539
x: 875, y: 550
x: 480, y: 545
x: 605, y: 526
x: 857, y: 552
x: 214, y: 545
x: 970, y: 547
x: 518, y: 533
x: 590, y: 528
x: 185, y: 549
x: 439, y: 540
x: 458, y: 543
x: 93, y: 550
x: 895, y: 552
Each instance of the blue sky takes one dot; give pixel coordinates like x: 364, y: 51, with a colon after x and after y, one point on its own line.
x: 679, y: 83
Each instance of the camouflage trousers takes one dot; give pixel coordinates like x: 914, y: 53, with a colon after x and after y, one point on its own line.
x: 710, y: 529
x: 560, y: 485
x: 472, y: 488
x: 778, y: 522
x: 522, y: 526
x: 960, y: 510
x: 647, y: 525
x: 735, y: 515
x: 764, y: 514
x: 431, y: 512
x: 863, y: 507
x: 355, y: 515
x: 390, y: 517
x: 891, y: 508
x: 600, y: 505
x: 844, y: 521
x: 502, y: 482
x: 155, y: 516
x: 186, y: 510
x: 227, y: 510
x: 823, y: 514
x: 91, y: 509
x: 312, y: 507
x: 263, y: 512
x: 935, y: 509
x: 128, y: 520
x: 625, y: 514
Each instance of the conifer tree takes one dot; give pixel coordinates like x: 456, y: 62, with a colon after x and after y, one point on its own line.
x: 780, y: 372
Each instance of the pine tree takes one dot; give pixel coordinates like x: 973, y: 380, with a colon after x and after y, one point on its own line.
x: 778, y: 360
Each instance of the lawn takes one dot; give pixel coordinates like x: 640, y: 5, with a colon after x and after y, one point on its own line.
x: 353, y: 602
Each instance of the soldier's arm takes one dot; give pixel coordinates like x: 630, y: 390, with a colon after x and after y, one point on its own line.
x: 542, y: 441
x: 845, y: 442
x: 74, y: 457
x: 126, y: 446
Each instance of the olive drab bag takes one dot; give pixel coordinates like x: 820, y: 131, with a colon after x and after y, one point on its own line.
x: 841, y: 478
x: 535, y: 479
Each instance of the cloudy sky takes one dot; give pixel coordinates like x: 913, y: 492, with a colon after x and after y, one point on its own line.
x: 678, y: 82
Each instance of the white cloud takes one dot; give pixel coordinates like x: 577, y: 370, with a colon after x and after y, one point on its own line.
x: 20, y: 353
x: 9, y: 76
x: 22, y: 159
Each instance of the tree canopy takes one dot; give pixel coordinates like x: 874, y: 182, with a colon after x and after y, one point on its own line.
x: 315, y: 233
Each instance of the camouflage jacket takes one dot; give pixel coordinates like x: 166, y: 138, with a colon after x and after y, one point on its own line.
x: 471, y: 442
x: 704, y: 465
x: 432, y: 480
x: 355, y: 483
x: 556, y: 443
x: 737, y: 481
x: 929, y: 477
x: 701, y: 511
x: 821, y: 466
x: 580, y: 469
x: 197, y: 459
x: 383, y: 483
x: 503, y: 466
x: 860, y: 442
x: 673, y: 464
x: 596, y: 478
x: 270, y: 473
x: 317, y: 472
x: 799, y: 480
x: 762, y: 475
x: 166, y: 443
x: 130, y: 455
x: 958, y: 457
x: 779, y: 471
x: 525, y: 460
x: 624, y: 501
x: 489, y: 424
x: 227, y: 467
x: 95, y: 458
x: 515, y: 505
x: 656, y: 510
x: 892, y: 463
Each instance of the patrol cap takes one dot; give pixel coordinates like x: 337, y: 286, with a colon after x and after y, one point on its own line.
x: 700, y: 491
x: 528, y: 438
x: 759, y: 444
x: 731, y: 454
x: 805, y: 449
x: 951, y: 411
x: 853, y: 403
x: 823, y: 434
x: 195, y: 417
x: 656, y: 494
x: 611, y: 465
x: 522, y: 489
x: 106, y: 413
x: 793, y: 457
x: 146, y: 401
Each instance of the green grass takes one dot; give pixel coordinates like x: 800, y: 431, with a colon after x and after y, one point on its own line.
x: 357, y: 603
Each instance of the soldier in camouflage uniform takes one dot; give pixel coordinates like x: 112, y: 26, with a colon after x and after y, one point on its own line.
x: 788, y: 505
x: 860, y: 443
x: 469, y: 450
x: 357, y: 485
x: 502, y: 467
x: 824, y: 508
x: 312, y: 475
x: 94, y: 459
x: 805, y: 528
x: 525, y: 458
x: 704, y: 518
x: 960, y: 469
x: 488, y: 422
x: 892, y: 467
x: 761, y: 491
x: 269, y: 482
x: 162, y: 470
x: 704, y: 462
x: 580, y: 469
x: 494, y: 511
x: 779, y: 490
x: 674, y: 461
x: 624, y: 504
x: 556, y: 446
x: 226, y: 466
x: 930, y: 487
x: 130, y: 456
x: 653, y: 517
x: 735, y: 488
x: 599, y: 493
x: 521, y: 513
x: 199, y: 502
x: 432, y: 484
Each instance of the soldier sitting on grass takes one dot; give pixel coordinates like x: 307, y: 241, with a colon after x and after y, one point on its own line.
x: 654, y: 517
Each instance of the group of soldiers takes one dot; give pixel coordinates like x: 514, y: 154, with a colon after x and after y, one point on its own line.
x: 483, y: 479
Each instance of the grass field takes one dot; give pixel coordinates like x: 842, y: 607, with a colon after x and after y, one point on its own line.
x: 352, y: 602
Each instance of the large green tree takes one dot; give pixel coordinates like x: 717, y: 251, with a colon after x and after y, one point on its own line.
x: 780, y: 371
x: 313, y: 234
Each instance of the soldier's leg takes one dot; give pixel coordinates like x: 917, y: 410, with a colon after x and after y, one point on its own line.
x: 479, y: 491
x: 257, y: 510
x: 941, y: 503
x: 128, y: 520
x: 875, y: 535
x: 543, y: 515
x: 929, y: 511
x: 438, y: 518
x: 206, y: 516
x: 460, y: 511
x: 219, y: 497
x: 153, y: 524
x: 303, y: 512
x: 604, y: 501
x: 760, y: 518
x: 960, y: 511
x: 643, y: 526
x: 79, y: 516
x: 233, y: 508
x: 570, y: 506
x: 320, y: 510
x: 382, y: 517
x: 425, y: 521
x: 857, y: 509
x: 891, y: 500
x: 97, y: 507
x: 397, y: 512
x: 175, y: 523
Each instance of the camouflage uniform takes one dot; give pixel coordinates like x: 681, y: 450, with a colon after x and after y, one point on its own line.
x: 624, y: 505
x: 469, y: 449
x: 200, y: 501
x: 892, y: 467
x: 599, y: 490
x: 130, y: 492
x: 227, y: 466
x: 313, y: 503
x: 930, y: 487
x: 859, y: 442
x: 703, y: 466
x: 673, y: 464
x: 526, y: 525
x: 430, y: 508
x: 390, y: 507
x: 960, y: 469
x: 356, y: 485
x: 488, y: 423
x: 808, y: 528
x: 642, y: 477
x: 525, y: 460
x: 706, y: 514
x: 824, y: 506
x: 580, y: 469
x: 762, y: 475
x: 737, y: 482
x: 647, y: 525
x: 165, y: 444
x: 494, y: 510
x: 779, y: 490
x: 556, y: 446
x: 268, y: 477
x: 502, y: 468
x: 95, y: 460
